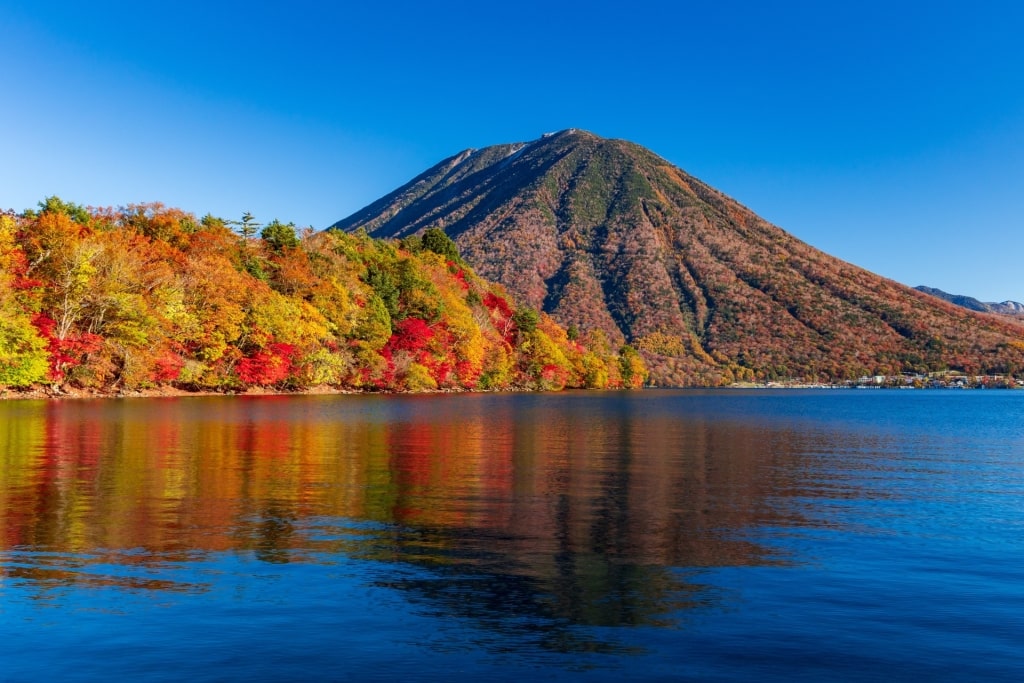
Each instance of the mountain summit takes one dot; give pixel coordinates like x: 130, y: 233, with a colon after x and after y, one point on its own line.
x: 604, y: 234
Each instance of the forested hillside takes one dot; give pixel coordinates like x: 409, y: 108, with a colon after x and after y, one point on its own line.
x: 606, y: 235
x: 144, y: 297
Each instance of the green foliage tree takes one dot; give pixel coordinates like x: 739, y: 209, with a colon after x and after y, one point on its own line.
x: 374, y: 327
x: 209, y: 221
x: 526, y: 319
x: 279, y: 236
x: 412, y: 243
x: 248, y: 226
x: 23, y: 357
x: 435, y: 240
x: 55, y: 204
x: 418, y: 297
x: 384, y: 284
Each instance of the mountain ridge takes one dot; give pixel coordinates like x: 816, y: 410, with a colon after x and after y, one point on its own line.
x: 1004, y: 307
x: 605, y: 234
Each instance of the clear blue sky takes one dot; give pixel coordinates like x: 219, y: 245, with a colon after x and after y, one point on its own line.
x: 890, y: 134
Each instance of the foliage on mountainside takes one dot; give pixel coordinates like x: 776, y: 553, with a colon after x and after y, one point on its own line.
x: 604, y: 235
x: 145, y: 296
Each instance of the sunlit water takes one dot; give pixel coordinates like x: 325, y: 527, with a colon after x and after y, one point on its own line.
x: 652, y: 535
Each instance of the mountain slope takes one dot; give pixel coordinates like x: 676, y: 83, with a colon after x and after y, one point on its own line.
x: 604, y: 234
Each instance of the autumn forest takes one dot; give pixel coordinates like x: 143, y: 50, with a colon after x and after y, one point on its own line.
x: 149, y: 298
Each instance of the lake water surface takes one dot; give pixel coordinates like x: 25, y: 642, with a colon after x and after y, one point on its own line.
x: 657, y: 535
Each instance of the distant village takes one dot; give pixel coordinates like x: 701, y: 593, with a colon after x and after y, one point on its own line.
x: 940, y: 380
x: 909, y: 380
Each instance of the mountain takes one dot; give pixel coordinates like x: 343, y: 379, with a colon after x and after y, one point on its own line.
x: 604, y: 234
x: 1005, y: 308
x: 1009, y: 307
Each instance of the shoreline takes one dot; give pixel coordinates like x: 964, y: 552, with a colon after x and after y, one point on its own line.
x: 74, y: 394
x: 77, y: 394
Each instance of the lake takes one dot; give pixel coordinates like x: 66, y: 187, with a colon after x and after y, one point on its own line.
x: 655, y: 535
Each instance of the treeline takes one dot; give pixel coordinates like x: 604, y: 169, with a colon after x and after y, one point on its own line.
x: 143, y: 297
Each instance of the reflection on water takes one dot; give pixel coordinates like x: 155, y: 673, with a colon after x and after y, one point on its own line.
x: 542, y: 520
x: 577, y: 514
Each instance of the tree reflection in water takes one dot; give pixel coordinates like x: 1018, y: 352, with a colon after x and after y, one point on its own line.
x: 542, y: 517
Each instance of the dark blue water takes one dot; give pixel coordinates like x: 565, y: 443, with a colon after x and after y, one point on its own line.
x: 727, y: 535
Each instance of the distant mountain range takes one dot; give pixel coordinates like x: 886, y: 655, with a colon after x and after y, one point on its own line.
x: 606, y: 235
x: 969, y: 302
